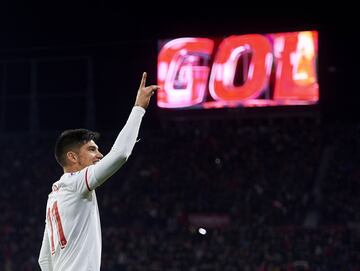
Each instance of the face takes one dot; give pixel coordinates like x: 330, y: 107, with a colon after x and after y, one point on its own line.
x: 88, y: 154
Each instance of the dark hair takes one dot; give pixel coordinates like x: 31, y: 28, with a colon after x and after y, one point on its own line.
x: 70, y: 140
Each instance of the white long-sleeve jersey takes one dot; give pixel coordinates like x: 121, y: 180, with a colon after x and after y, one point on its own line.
x: 72, y: 236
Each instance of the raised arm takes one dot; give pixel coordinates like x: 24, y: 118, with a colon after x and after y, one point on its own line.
x: 121, y: 150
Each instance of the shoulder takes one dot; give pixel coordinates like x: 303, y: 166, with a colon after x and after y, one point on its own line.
x: 81, y: 180
x: 66, y: 182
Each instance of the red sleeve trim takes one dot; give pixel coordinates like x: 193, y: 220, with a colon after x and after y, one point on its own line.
x: 86, y: 180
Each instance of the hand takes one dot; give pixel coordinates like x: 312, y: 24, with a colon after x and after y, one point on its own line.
x: 144, y: 93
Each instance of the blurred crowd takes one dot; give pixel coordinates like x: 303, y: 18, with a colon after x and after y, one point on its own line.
x: 267, y: 194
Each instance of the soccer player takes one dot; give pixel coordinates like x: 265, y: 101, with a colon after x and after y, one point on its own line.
x: 72, y: 236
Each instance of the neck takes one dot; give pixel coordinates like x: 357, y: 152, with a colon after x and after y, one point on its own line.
x: 72, y: 168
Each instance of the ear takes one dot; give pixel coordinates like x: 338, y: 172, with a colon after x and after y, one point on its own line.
x: 72, y: 157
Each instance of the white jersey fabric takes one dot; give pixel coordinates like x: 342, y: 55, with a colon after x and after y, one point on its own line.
x: 72, y: 236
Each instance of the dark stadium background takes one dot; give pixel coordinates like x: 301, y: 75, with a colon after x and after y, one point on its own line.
x: 79, y: 65
x: 121, y: 42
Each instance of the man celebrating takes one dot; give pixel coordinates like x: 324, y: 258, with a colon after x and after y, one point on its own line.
x: 72, y: 236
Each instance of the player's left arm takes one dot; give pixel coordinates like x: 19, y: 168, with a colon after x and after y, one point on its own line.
x: 45, y: 261
x: 97, y: 174
x: 120, y: 152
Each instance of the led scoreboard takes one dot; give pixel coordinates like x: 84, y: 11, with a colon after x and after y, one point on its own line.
x: 251, y: 70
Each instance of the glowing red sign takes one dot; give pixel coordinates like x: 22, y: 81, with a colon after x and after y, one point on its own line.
x: 244, y: 70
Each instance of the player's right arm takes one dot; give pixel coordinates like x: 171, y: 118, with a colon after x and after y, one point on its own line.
x: 121, y: 150
x: 45, y: 256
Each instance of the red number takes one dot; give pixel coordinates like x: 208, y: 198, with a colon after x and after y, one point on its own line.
x: 54, y: 214
x: 52, y: 232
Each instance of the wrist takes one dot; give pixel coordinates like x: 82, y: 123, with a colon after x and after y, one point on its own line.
x: 139, y: 108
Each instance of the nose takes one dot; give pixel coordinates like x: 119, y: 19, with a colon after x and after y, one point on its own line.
x: 99, y: 155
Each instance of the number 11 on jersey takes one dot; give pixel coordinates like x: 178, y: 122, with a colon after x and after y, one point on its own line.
x: 53, y: 215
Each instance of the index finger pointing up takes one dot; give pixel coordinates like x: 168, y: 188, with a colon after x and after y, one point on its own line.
x: 143, y: 80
